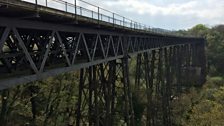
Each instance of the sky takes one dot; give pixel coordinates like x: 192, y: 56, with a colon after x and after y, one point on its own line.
x: 166, y: 14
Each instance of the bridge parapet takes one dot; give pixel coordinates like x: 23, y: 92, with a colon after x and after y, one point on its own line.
x: 79, y: 12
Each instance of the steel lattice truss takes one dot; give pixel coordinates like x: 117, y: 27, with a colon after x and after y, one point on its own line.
x: 34, y: 50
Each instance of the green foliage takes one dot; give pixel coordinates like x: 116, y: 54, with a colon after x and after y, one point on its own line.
x: 199, y: 30
x: 215, y: 53
x: 203, y: 107
x: 44, y: 103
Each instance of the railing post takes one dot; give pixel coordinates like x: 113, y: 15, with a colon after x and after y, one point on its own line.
x: 36, y: 4
x: 46, y: 3
x: 66, y: 6
x: 98, y: 15
x: 123, y: 21
x: 113, y: 20
x: 134, y: 25
x: 80, y: 10
x: 75, y: 8
x: 131, y: 24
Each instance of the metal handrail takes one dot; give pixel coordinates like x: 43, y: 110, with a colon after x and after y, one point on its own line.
x: 113, y: 18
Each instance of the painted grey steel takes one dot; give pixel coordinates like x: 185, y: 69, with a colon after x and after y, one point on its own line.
x: 105, y: 41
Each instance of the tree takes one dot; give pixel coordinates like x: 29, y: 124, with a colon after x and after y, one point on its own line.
x: 199, y: 30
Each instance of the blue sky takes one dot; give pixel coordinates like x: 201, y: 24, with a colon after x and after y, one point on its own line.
x: 167, y: 14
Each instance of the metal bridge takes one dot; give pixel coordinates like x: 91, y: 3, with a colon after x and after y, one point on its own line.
x: 41, y: 39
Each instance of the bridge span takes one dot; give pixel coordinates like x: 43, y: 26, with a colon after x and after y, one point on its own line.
x: 38, y: 41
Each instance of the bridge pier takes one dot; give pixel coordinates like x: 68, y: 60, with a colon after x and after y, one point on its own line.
x: 163, y: 73
x: 102, y: 87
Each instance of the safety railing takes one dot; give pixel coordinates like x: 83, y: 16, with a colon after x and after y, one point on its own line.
x: 83, y: 8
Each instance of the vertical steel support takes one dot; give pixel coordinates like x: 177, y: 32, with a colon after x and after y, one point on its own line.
x: 187, y: 66
x: 127, y: 86
x: 158, y: 87
x: 173, y: 67
x: 138, y: 72
x: 179, y: 69
x: 96, y: 107
x: 149, y: 71
x: 151, y: 87
x: 111, y: 88
x: 90, y: 106
x: 127, y: 92
x: 168, y: 85
x: 164, y: 87
x: 81, y: 86
x: 104, y: 95
x: 107, y: 92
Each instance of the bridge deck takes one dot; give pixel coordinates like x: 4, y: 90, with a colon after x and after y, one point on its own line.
x: 30, y: 11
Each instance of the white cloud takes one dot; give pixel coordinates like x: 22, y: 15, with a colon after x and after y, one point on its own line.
x: 198, y: 8
x: 171, y: 14
x: 186, y: 13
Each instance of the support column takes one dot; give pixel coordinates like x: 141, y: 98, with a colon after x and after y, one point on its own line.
x: 151, y: 86
x: 149, y: 73
x: 138, y: 72
x: 96, y: 94
x: 127, y: 93
x: 90, y: 113
x: 78, y: 111
x: 179, y: 69
x: 158, y: 88
x: 167, y: 89
x: 111, y: 88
